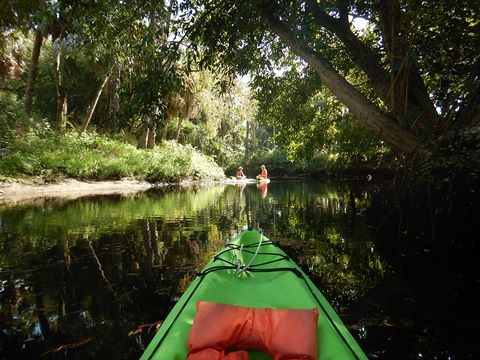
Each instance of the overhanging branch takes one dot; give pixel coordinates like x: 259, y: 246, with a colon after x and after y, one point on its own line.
x: 380, y: 123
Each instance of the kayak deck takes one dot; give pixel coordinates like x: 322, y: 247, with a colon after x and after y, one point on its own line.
x: 272, y: 280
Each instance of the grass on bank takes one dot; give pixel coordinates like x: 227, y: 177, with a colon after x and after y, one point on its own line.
x: 98, y: 157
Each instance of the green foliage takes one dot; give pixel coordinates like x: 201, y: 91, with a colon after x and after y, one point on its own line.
x: 279, y: 163
x: 355, y: 145
x: 446, y: 38
x: 127, y: 41
x: 136, y: 37
x: 80, y: 83
x: 96, y: 157
x: 314, y: 128
x: 322, y: 162
x: 454, y: 160
x: 275, y: 161
x: 237, y: 36
x: 12, y: 118
x: 218, y: 127
x: 140, y: 44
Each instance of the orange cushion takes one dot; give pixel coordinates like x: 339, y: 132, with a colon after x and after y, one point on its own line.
x: 219, y: 330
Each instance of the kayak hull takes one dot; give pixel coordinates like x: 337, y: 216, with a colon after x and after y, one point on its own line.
x: 272, y: 280
x: 240, y: 181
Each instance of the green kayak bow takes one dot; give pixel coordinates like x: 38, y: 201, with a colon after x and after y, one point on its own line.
x: 251, y: 271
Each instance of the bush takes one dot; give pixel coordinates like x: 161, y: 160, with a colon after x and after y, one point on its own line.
x: 96, y: 157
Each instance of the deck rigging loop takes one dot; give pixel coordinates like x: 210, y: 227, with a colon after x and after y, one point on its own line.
x: 239, y: 258
x: 246, y: 268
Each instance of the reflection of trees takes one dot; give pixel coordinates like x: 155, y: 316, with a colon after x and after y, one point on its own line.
x: 95, y: 300
x: 42, y: 318
x: 317, y: 226
x: 90, y: 216
x: 82, y: 291
x: 68, y: 293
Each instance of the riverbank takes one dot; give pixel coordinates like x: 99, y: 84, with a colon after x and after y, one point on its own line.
x: 15, y: 191
x: 19, y: 191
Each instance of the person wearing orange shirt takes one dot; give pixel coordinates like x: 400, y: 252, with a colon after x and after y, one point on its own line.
x: 264, y: 174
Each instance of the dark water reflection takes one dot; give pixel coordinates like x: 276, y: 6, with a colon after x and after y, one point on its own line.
x: 93, y: 278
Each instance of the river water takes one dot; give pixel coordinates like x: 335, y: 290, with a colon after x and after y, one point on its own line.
x: 94, y: 277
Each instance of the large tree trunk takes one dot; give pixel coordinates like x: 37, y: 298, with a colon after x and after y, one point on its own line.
x: 382, y: 125
x: 408, y: 96
x: 91, y: 107
x: 32, y: 75
x: 62, y: 108
x: 151, y: 138
x: 143, y: 139
x: 60, y: 88
x: 33, y: 71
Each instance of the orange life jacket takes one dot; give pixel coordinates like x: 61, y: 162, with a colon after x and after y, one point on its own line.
x: 224, y: 332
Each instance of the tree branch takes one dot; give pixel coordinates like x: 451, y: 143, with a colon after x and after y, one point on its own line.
x: 402, y: 91
x: 380, y: 123
x: 363, y: 55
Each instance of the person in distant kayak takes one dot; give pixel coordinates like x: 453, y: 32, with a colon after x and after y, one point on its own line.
x: 239, y: 174
x: 264, y: 174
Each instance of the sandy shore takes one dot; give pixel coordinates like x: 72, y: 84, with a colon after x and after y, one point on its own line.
x: 20, y: 191
x: 14, y: 192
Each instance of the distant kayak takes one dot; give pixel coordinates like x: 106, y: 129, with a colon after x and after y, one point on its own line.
x: 239, y: 181
x: 251, y: 295
x: 244, y: 181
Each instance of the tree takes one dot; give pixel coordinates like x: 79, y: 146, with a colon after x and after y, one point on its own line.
x: 92, y: 106
x: 257, y: 36
x: 37, y: 45
x: 129, y: 41
x: 146, y: 51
